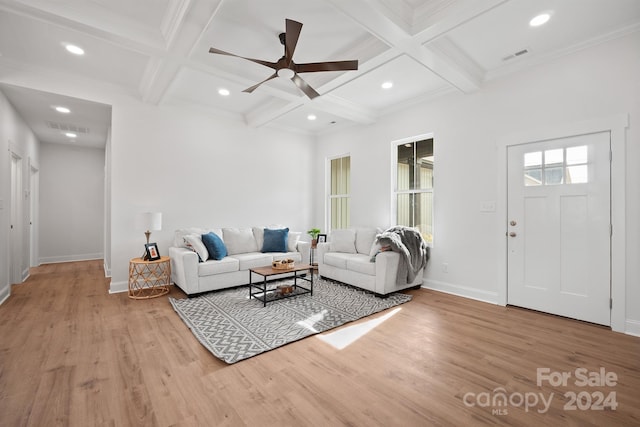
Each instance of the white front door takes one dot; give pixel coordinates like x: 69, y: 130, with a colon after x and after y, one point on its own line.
x: 559, y: 227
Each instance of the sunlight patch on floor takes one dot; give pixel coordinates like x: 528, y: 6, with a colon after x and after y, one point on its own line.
x: 350, y: 334
x: 312, y: 320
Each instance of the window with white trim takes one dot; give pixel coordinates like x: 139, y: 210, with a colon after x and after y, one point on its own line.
x: 413, y: 184
x: 340, y: 192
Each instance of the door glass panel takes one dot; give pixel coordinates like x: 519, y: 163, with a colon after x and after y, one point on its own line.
x: 553, y: 176
x: 552, y: 157
x: 577, y: 174
x: 577, y: 155
x: 533, y: 159
x: 533, y: 177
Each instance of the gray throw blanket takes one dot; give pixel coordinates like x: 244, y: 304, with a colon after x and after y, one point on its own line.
x: 413, y: 250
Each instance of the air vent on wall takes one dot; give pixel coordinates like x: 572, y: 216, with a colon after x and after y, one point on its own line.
x: 516, y: 54
x: 67, y: 127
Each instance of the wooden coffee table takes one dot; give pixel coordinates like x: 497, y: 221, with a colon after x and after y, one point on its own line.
x: 261, y: 292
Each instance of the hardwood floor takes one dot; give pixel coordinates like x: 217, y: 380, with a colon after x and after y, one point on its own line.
x: 73, y: 355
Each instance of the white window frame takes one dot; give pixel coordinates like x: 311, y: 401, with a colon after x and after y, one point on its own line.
x: 329, y: 196
x: 394, y: 179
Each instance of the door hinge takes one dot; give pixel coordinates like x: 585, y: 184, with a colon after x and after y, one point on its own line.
x: 610, y: 303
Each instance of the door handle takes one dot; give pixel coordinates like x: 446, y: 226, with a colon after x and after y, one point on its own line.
x: 512, y: 234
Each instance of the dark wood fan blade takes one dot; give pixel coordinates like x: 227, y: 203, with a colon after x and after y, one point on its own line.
x: 255, y: 86
x: 313, y: 67
x: 271, y: 65
x: 304, y: 86
x: 293, y: 29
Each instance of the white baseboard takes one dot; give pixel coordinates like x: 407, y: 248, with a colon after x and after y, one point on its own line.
x: 107, y: 270
x: 70, y: 258
x: 632, y: 327
x: 5, y: 293
x: 118, y: 287
x: 462, y: 291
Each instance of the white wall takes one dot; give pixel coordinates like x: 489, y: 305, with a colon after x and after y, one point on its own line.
x: 591, y: 84
x: 195, y: 168
x: 71, y: 202
x: 15, y: 136
x: 201, y: 171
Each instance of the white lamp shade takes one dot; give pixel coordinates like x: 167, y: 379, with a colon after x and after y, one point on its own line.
x: 152, y: 221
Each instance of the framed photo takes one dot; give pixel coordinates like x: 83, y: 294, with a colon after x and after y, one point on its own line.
x: 151, y: 251
x: 322, y: 238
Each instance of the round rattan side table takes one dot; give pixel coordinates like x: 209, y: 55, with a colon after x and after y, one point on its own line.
x: 149, y: 279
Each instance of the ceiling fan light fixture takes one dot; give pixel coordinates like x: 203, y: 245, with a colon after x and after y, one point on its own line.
x: 223, y: 92
x: 539, y: 20
x: 286, y: 73
x: 387, y: 85
x: 311, y: 117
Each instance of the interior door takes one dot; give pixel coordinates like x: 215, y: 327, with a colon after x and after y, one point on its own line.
x: 15, y: 249
x: 558, y: 231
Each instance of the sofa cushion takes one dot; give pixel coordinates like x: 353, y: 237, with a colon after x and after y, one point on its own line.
x: 337, y: 259
x: 239, y: 240
x: 215, y: 246
x: 194, y: 242
x: 292, y: 241
x: 258, y: 234
x: 275, y: 240
x: 253, y: 259
x: 343, y: 240
x: 211, y: 267
x: 361, y: 263
x: 365, y: 237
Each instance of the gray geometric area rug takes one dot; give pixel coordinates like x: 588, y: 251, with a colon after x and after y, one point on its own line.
x: 234, y: 328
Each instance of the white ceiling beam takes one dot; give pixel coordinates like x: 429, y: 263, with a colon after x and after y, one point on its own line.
x: 139, y: 41
x: 374, y: 19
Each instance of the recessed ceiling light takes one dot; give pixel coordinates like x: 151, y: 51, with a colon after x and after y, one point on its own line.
x: 71, y: 135
x: 74, y: 49
x: 387, y: 85
x: 224, y: 92
x: 63, y: 110
x: 311, y: 117
x: 540, y: 20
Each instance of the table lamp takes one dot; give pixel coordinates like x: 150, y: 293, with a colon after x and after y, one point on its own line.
x: 151, y: 221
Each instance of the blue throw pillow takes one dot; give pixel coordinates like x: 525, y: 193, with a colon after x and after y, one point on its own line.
x: 275, y: 240
x: 215, y: 246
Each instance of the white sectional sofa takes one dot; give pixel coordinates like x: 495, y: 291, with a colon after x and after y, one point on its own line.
x: 194, y: 270
x: 352, y: 256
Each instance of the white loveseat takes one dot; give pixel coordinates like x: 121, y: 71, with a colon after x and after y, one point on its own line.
x: 352, y: 256
x: 193, y: 270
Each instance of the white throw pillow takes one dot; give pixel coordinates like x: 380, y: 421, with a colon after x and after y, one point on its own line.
x: 292, y: 241
x: 343, y: 241
x: 239, y: 240
x: 178, y: 239
x: 195, y: 242
x: 258, y: 234
x: 365, y: 238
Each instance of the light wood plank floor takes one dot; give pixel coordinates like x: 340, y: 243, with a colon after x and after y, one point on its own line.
x: 73, y: 355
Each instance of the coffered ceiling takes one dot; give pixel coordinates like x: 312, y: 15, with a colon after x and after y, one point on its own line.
x: 158, y: 49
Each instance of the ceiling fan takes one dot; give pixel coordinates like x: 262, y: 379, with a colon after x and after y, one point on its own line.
x: 286, y: 68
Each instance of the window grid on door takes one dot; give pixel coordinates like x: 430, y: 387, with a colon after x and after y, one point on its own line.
x: 569, y: 165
